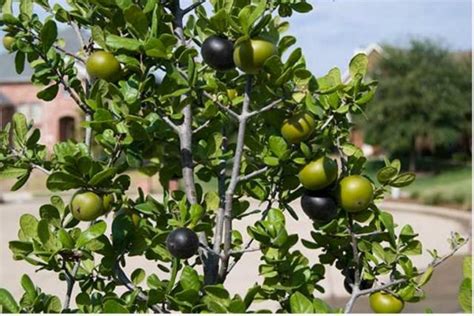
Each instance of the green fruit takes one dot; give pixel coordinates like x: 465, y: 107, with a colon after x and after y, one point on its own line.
x: 103, y: 65
x: 318, y: 174
x: 86, y: 206
x: 8, y: 42
x: 298, y: 127
x: 355, y: 193
x: 385, y: 303
x: 250, y: 55
x: 108, y: 202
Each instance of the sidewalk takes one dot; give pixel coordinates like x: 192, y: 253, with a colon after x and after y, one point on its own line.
x: 433, y: 224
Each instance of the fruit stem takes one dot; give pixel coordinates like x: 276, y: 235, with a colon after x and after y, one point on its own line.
x: 174, y: 272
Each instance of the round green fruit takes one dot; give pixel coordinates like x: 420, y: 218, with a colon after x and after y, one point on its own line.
x: 355, y: 193
x: 250, y: 55
x: 318, y: 174
x: 8, y: 42
x: 385, y: 303
x: 103, y: 65
x: 298, y: 127
x: 108, y: 201
x: 86, y: 206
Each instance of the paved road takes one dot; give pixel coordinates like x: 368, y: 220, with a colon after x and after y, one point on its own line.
x: 433, y: 224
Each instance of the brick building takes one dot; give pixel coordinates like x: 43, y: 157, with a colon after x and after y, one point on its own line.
x: 58, y: 120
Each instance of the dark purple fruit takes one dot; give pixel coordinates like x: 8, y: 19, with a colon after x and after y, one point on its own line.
x: 182, y: 243
x: 319, y: 206
x: 218, y: 52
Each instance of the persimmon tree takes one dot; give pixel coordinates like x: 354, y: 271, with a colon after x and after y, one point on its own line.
x: 233, y: 135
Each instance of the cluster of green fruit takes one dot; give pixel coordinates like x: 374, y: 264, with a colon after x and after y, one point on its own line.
x: 321, y: 199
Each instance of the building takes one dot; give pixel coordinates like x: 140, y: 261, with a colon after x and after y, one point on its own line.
x: 58, y: 120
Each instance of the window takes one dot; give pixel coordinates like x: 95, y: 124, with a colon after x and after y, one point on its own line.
x: 66, y: 128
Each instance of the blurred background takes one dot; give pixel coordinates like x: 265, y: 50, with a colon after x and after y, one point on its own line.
x: 420, y: 52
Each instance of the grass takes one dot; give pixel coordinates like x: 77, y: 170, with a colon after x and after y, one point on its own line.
x: 449, y: 187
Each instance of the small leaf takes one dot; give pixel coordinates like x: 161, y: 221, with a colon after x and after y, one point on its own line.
x: 138, y: 276
x: 300, y: 304
x: 91, y: 233
x: 403, y: 180
x: 465, y: 295
x: 271, y: 161
x: 12, y: 172
x: 425, y: 277
x: 385, y: 174
x: 278, y: 146
x: 49, y: 93
x: 467, y: 267
x: 102, y: 176
x: 190, y: 279
x: 20, y: 62
x: 28, y: 286
x: 48, y: 34
x: 8, y: 303
x: 118, y: 42
x: 358, y: 65
x: 61, y: 181
x: 113, y: 307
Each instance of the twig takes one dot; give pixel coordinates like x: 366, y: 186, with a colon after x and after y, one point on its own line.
x: 356, y: 257
x: 223, y: 107
x: 201, y: 127
x: 193, y: 6
x: 70, y: 281
x: 330, y: 118
x: 229, y: 195
x: 42, y: 169
x: 369, y: 234
x: 245, y: 250
x: 252, y: 174
x: 124, y: 280
x: 265, y: 108
x: 69, y: 54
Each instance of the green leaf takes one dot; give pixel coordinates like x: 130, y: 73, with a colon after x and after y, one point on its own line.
x: 91, y: 233
x: 212, y: 200
x: 425, y: 277
x: 28, y: 286
x: 48, y: 34
x: 358, y: 65
x: 330, y: 82
x: 65, y: 239
x: 403, y: 180
x: 387, y: 221
x: 7, y: 302
x: 20, y: 129
x: 44, y: 233
x: 26, y: 7
x: 278, y: 146
x: 138, y: 276
x: 190, y: 279
x: 302, y: 7
x: 29, y: 225
x: 61, y: 181
x: 53, y: 305
x: 137, y: 19
x: 300, y: 304
x: 20, y: 62
x: 12, y: 172
x: 385, y: 174
x: 119, y: 42
x: 103, y: 176
x: 113, y: 307
x: 49, y: 93
x: 271, y: 161
x: 465, y: 295
x: 414, y: 247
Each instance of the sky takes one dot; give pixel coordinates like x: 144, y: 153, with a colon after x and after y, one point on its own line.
x: 331, y: 33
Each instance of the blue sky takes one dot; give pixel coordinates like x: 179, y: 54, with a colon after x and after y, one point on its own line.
x: 331, y: 33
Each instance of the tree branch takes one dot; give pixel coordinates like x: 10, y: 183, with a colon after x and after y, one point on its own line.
x: 265, y: 108
x: 252, y: 174
x: 70, y: 281
x: 223, y: 107
x: 201, y: 127
x: 193, y: 6
x: 229, y: 195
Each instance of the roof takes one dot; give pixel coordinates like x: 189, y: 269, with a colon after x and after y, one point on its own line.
x: 8, y: 73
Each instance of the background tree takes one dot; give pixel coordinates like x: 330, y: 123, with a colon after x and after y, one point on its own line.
x: 426, y: 90
x: 200, y: 124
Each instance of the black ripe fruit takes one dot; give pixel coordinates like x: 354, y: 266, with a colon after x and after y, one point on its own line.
x: 218, y: 52
x: 319, y: 205
x: 182, y: 243
x: 349, y: 281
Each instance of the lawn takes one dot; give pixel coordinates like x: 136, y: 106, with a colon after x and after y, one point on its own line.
x: 449, y: 187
